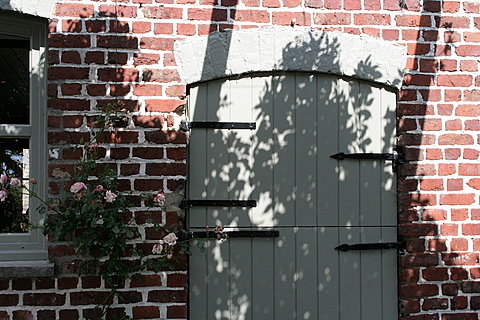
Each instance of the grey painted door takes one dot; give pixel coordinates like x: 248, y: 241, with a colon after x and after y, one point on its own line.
x: 315, y: 202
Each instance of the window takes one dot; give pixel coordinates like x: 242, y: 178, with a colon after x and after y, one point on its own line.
x: 22, y: 131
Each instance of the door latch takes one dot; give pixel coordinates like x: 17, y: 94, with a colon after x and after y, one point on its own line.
x: 397, y: 156
x: 400, y: 246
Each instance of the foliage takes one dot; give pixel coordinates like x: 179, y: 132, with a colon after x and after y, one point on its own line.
x: 12, y: 218
x: 98, y: 219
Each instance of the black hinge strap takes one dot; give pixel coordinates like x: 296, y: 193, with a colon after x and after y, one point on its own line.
x: 397, y: 156
x: 187, y: 235
x: 185, y: 125
x: 372, y: 246
x: 218, y: 203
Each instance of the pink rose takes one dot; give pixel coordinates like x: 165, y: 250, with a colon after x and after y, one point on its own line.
x: 169, y: 256
x: 98, y: 188
x: 15, y: 182
x: 157, y: 248
x: 3, y: 195
x: 160, y: 198
x: 110, y: 196
x: 77, y: 187
x: 3, y: 178
x: 170, y: 239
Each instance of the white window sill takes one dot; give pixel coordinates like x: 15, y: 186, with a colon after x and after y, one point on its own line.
x: 26, y: 269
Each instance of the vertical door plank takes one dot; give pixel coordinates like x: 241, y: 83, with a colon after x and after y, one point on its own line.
x: 218, y: 158
x: 389, y: 181
x: 328, y: 273
x: 241, y: 297
x: 198, y: 286
x: 371, y: 274
x: 328, y: 108
x: 370, y: 135
x: 306, y: 150
x: 262, y: 153
x: 239, y: 102
x: 197, y: 178
x: 285, y: 286
x: 305, y: 275
x: 263, y: 279
x: 349, y: 176
x: 218, y: 279
x: 350, y: 276
x: 284, y: 150
x: 389, y: 276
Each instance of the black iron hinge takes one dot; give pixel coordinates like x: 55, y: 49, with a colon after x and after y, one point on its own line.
x: 217, y: 203
x: 397, y: 156
x: 187, y: 125
x: 400, y: 246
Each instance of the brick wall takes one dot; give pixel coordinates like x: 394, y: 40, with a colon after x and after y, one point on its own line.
x: 104, y: 51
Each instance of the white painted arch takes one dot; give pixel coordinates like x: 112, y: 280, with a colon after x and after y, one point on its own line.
x: 39, y: 8
x: 235, y: 52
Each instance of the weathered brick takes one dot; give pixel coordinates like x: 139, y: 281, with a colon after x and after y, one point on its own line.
x: 44, y: 299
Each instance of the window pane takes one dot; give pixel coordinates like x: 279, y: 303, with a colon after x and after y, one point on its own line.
x: 14, y: 80
x: 14, y: 205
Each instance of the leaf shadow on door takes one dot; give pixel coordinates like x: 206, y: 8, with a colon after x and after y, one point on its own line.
x: 302, y: 118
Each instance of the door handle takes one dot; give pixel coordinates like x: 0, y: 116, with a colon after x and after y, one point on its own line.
x: 400, y: 246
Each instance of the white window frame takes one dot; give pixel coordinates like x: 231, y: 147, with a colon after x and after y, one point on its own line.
x: 31, y: 245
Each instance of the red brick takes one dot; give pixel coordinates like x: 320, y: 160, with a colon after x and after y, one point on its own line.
x: 454, y: 80
x: 162, y: 105
x: 163, y: 28
x: 148, y: 153
x: 95, y: 26
x: 258, y: 16
x: 111, y: 41
x: 457, y: 199
x: 165, y: 169
x: 435, y: 304
x: 89, y: 297
x: 68, y: 314
x: 418, y: 230
x: 435, y: 274
x: 458, y: 274
x: 455, y: 184
x: 433, y: 215
x: 420, y: 290
x: 362, y: 19
x: 7, y: 300
x: 141, y: 27
x: 431, y: 184
x: 457, y: 258
x: 332, y: 4
x: 437, y: 245
x: 147, y: 90
x: 145, y: 58
x: 459, y: 244
x: 469, y: 169
x: 95, y: 57
x: 74, y: 10
x: 96, y: 89
x: 146, y: 312
x: 162, y: 137
x: 170, y: 296
x: 467, y: 110
x: 455, y: 139
x: 67, y: 283
x: 459, y: 303
x: 285, y: 18
x: 69, y: 41
x: 22, y: 315
x: 413, y: 21
x: 470, y: 154
x: 117, y: 11
x: 449, y: 229
x: 71, y: 89
x: 22, y: 284
x: 453, y: 125
x: 207, y: 14
x: 177, y: 312
x: 434, y: 154
x: 457, y: 22
x: 468, y: 65
x: 71, y: 57
x: 119, y: 26
x: 44, y: 299
x: 165, y: 75
x: 118, y: 74
x: 63, y: 73
x: 410, y: 306
x: 177, y: 280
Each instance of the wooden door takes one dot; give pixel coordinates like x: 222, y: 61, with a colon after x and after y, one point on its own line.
x: 315, y: 202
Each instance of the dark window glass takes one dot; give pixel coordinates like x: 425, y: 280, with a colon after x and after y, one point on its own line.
x: 14, y: 201
x: 14, y: 80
